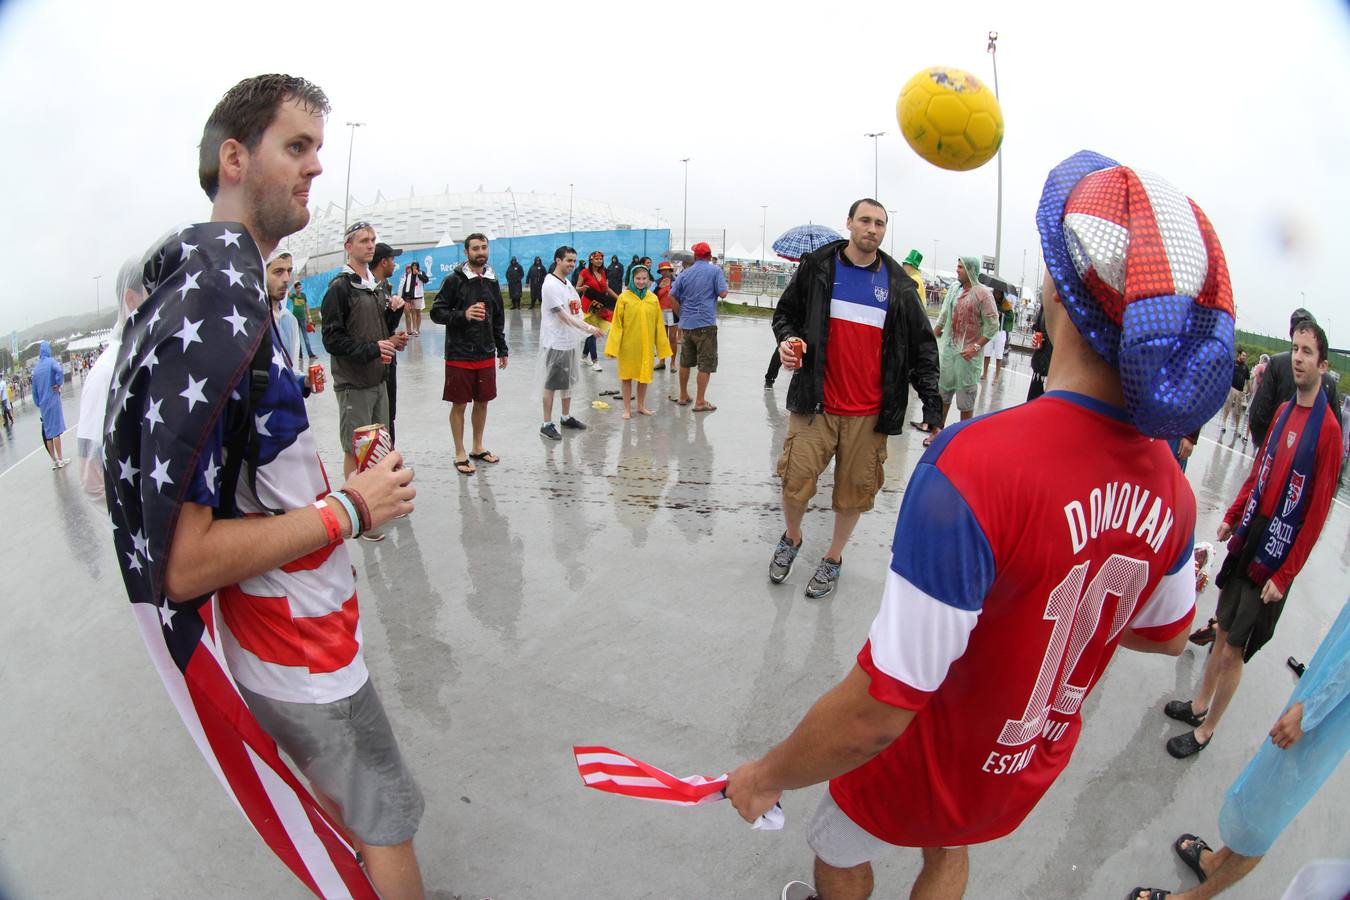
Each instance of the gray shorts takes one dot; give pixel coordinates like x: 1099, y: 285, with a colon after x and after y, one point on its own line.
x: 839, y: 841
x: 348, y: 752
x: 965, y: 400
x: 559, y: 369
x: 358, y: 407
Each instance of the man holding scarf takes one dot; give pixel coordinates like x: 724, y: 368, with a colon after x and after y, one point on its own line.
x: 968, y: 321
x: 1270, y: 528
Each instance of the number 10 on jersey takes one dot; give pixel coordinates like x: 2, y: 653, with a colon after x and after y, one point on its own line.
x: 1077, y: 615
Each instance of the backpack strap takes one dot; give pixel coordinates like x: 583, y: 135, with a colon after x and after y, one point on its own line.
x: 241, y: 442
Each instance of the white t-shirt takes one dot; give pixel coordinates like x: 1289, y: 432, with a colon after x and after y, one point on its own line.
x: 554, y: 333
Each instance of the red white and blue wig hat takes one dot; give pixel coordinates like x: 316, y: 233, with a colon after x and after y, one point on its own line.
x: 1140, y: 271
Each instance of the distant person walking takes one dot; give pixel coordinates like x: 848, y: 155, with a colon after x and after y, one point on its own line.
x: 614, y: 274
x: 536, y: 277
x: 413, y: 291
x: 515, y: 274
x: 6, y: 411
x: 697, y: 290
x: 47, y: 379
x: 300, y: 309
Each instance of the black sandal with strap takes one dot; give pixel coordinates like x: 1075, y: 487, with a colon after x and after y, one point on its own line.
x: 1191, y: 855
x: 1150, y: 893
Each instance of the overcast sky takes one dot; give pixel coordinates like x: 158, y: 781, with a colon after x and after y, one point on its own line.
x: 104, y: 105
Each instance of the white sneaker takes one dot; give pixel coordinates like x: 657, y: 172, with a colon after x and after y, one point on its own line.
x: 597, y: 367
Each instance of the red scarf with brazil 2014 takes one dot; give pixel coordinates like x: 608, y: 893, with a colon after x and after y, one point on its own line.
x: 1005, y: 600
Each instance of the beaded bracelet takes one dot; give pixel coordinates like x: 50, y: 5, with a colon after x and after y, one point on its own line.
x: 361, y: 507
x: 346, y: 504
x: 331, y: 526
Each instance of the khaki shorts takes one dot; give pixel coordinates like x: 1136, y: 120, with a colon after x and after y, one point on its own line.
x: 348, y: 751
x: 698, y: 349
x: 1233, y: 405
x: 358, y: 407
x: 858, y: 451
x: 965, y: 400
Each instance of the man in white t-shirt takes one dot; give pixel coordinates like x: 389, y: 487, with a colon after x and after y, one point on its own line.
x: 559, y: 330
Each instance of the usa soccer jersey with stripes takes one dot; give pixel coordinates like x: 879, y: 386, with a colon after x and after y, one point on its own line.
x: 1009, y: 589
x: 858, y: 305
x: 294, y: 633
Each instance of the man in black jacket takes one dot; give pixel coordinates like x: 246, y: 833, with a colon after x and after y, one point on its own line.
x: 850, y: 303
x: 536, y: 278
x: 357, y: 326
x: 514, y: 276
x: 1277, y: 385
x: 469, y: 305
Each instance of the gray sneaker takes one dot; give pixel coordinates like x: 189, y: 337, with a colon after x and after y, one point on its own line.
x: 799, y: 890
x: 783, y: 556
x: 569, y: 422
x: 827, y: 576
x: 551, y: 432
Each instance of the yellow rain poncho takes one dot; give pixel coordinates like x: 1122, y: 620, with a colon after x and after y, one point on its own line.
x: 638, y: 332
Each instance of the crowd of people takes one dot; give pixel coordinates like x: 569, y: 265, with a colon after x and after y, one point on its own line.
x: 937, y: 737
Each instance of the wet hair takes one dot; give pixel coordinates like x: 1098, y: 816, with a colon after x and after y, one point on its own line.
x: 561, y: 252
x: 244, y: 113
x: 1319, y: 337
x: 476, y: 236
x: 853, y: 210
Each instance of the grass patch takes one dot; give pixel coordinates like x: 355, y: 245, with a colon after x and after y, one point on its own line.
x: 1256, y: 344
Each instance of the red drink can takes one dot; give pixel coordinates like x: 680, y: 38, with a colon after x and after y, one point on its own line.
x: 797, y: 345
x: 316, y: 379
x: 370, y: 444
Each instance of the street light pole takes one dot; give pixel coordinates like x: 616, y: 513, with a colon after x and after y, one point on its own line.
x: 96, y: 306
x: 763, y: 227
x: 935, y: 272
x: 874, y: 135
x: 347, y: 201
x: 998, y: 222
x: 684, y: 236
x: 571, y: 192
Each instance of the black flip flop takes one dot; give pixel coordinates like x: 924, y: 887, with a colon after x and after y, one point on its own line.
x: 1191, y: 855
x: 920, y: 426
x: 1153, y: 893
x: 486, y: 456
x: 464, y: 467
x: 1185, y: 745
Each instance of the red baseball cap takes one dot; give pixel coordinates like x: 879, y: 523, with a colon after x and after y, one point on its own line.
x: 701, y: 251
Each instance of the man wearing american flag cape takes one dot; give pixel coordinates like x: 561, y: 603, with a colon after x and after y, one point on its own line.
x: 228, y: 534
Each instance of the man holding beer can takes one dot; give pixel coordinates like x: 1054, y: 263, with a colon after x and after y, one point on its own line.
x: 853, y: 333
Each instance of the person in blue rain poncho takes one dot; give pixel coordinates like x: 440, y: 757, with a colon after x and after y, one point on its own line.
x: 47, y: 379
x: 1306, y: 745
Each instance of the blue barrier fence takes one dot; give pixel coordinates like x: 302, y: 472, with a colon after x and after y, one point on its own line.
x: 437, y: 262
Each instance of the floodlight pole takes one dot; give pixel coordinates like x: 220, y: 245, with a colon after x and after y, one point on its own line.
x: 684, y: 237
x: 763, y: 225
x: 935, y: 271
x: 998, y: 221
x: 347, y: 201
x: 571, y: 191
x: 874, y: 135
x: 96, y: 306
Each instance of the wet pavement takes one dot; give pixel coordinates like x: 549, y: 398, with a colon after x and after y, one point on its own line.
x: 609, y: 589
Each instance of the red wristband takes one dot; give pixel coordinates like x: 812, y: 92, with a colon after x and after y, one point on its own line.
x: 330, y: 521
x: 362, y: 510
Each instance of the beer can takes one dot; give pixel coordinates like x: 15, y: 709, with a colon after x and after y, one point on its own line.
x: 316, y: 379
x: 370, y: 444
x: 797, y: 345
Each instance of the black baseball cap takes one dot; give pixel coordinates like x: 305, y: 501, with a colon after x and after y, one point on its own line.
x: 383, y: 252
x: 1298, y: 316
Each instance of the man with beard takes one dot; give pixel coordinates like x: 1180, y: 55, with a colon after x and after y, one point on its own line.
x: 536, y: 277
x: 382, y: 267
x: 239, y: 579
x: 469, y: 305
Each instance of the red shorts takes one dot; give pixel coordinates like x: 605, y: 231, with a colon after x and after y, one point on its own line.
x: 465, y: 385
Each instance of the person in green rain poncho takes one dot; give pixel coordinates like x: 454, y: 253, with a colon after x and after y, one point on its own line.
x: 967, y: 322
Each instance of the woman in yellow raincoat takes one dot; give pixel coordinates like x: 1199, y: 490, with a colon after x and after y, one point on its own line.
x: 636, y: 335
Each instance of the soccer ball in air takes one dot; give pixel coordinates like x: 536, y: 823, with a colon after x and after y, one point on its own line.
x: 950, y: 118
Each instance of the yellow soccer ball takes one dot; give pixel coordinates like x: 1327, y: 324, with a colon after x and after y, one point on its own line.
x: 950, y: 118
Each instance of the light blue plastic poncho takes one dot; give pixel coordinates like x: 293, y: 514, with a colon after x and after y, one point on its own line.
x: 1277, y: 783
x: 47, y: 377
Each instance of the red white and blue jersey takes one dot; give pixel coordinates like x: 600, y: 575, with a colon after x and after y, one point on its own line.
x: 293, y: 633
x: 858, y: 304
x: 1009, y: 589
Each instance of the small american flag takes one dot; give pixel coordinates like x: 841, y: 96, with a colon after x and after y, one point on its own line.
x: 183, y: 355
x: 609, y: 770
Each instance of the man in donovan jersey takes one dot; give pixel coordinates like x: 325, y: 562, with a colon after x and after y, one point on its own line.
x: 1007, y: 597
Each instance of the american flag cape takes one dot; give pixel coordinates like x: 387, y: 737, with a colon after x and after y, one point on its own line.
x: 608, y: 770
x: 184, y: 354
